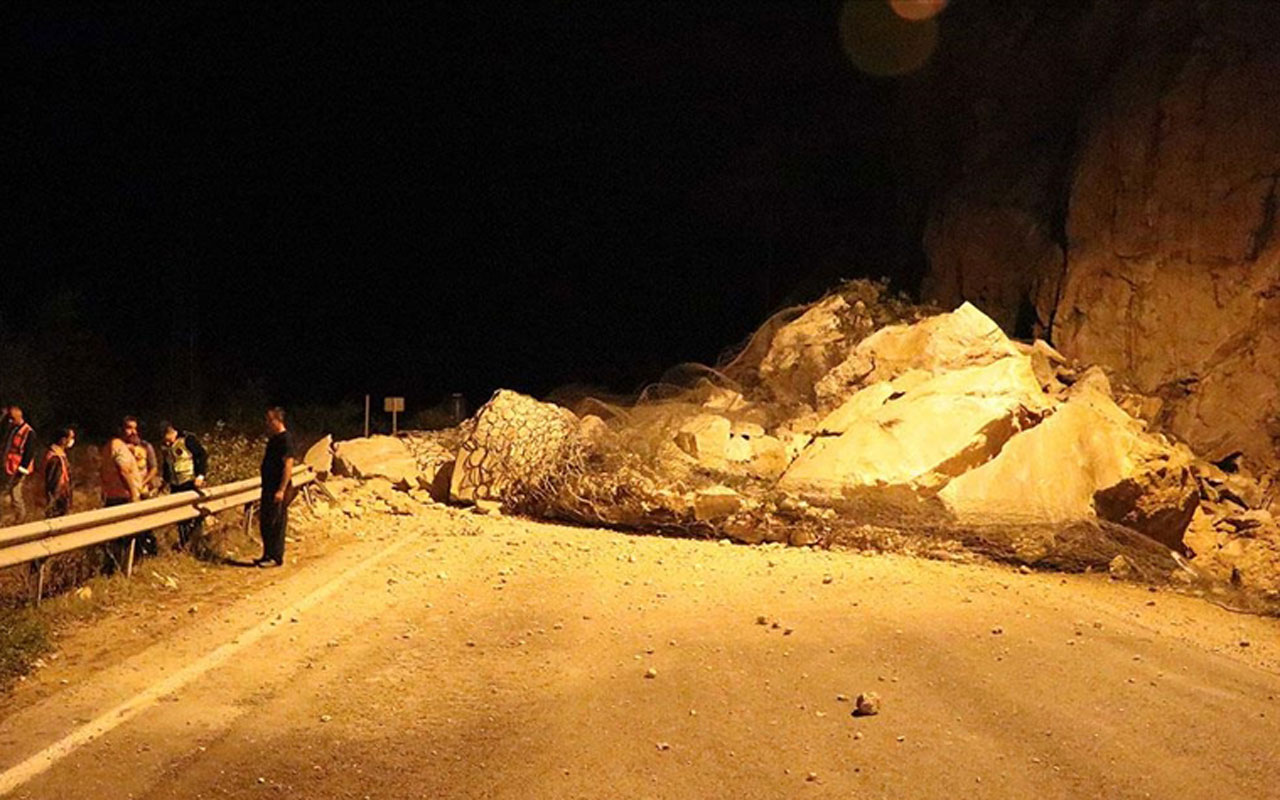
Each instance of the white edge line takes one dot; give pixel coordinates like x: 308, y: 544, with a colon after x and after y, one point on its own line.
x: 34, y: 765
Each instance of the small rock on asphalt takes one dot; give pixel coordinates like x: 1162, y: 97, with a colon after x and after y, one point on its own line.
x: 867, y: 705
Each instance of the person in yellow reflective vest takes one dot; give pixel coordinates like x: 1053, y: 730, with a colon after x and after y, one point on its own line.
x: 185, y: 465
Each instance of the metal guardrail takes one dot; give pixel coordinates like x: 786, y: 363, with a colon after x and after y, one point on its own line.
x: 35, y: 541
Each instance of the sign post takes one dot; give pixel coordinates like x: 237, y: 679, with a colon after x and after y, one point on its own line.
x: 366, y: 416
x: 394, y: 405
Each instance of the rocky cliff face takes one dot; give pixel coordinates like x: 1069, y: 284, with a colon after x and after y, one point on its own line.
x: 1140, y: 231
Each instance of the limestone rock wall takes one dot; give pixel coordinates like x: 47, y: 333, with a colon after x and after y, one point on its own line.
x: 1142, y: 234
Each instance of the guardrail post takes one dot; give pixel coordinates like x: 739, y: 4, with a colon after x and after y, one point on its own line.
x: 128, y: 564
x: 248, y: 518
x: 40, y: 572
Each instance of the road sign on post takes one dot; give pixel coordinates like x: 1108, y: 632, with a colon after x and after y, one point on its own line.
x: 394, y: 405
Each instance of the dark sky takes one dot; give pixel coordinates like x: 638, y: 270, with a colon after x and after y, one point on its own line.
x: 419, y: 198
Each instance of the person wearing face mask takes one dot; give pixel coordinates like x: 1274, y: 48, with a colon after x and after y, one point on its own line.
x: 57, y: 474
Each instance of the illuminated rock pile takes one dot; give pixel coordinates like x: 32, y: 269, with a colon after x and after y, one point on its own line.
x: 857, y: 413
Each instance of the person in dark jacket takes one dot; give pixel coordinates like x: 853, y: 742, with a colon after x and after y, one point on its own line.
x: 19, y: 453
x: 185, y: 465
x: 276, y: 471
x: 57, y: 475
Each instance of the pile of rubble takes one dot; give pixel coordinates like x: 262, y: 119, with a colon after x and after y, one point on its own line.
x: 1234, y: 535
x: 860, y: 411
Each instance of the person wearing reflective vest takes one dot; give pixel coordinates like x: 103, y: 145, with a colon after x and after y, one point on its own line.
x: 57, y: 475
x: 19, y: 454
x: 185, y: 464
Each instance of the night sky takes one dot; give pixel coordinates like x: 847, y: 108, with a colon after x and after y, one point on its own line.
x: 421, y: 198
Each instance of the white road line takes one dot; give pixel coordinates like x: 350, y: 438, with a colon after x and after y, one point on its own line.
x: 19, y: 774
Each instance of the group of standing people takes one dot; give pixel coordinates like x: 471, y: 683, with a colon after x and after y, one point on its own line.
x: 19, y: 446
x: 130, y: 470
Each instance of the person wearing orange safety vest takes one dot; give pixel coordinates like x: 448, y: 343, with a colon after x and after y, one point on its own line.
x: 57, y: 475
x: 19, y: 454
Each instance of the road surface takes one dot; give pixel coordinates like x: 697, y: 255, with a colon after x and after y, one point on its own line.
x: 449, y: 655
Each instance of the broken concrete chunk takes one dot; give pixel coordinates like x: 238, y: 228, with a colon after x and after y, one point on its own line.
x: 319, y: 456
x: 378, y: 456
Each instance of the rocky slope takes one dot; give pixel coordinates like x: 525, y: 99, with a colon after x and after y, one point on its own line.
x: 1116, y: 192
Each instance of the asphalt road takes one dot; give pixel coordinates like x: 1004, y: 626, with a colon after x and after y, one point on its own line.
x: 447, y: 655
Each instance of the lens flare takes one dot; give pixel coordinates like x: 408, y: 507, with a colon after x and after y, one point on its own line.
x: 917, y: 10
x: 881, y: 42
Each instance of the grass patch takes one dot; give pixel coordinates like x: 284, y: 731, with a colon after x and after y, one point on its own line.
x: 24, y: 637
x: 77, y: 591
x: 28, y: 633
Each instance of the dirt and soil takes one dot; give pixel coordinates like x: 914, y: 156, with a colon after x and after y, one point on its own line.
x: 486, y: 656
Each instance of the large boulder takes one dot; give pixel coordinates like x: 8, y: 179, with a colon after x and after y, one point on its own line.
x: 705, y: 438
x: 914, y: 443
x: 860, y: 405
x: 763, y: 456
x: 377, y: 456
x: 515, y: 440
x: 963, y: 338
x: 1087, y: 461
x: 804, y: 350
x: 741, y: 448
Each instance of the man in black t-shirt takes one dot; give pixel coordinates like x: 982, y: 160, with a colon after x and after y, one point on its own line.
x: 277, y: 469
